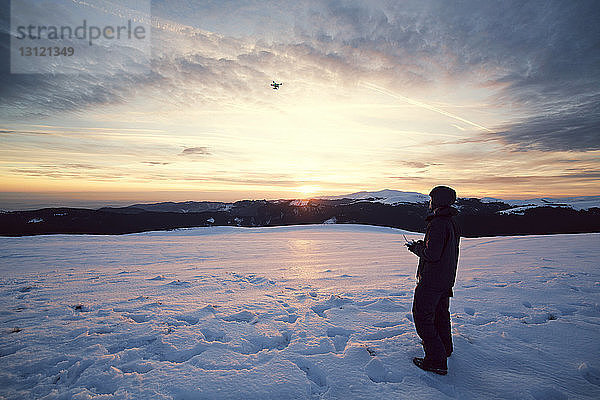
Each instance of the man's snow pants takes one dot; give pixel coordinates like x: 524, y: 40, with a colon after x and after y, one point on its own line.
x: 432, y: 320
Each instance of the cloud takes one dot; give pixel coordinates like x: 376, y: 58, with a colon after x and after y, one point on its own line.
x: 155, y: 163
x: 575, y: 128
x: 517, y: 179
x: 416, y: 164
x: 203, y: 151
x: 34, y: 96
x: 79, y: 166
x: 539, y: 62
x: 69, y: 171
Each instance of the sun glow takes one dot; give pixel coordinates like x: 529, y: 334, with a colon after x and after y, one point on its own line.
x: 308, y: 190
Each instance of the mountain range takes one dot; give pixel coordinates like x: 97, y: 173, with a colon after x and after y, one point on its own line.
x: 406, y: 210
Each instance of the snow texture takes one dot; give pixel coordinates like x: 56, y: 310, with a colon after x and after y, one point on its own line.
x: 312, y: 312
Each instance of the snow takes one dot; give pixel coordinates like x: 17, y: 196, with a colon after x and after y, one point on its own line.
x: 385, y: 196
x: 309, y: 312
x: 226, y: 207
x: 517, y: 210
x: 299, y: 203
x: 576, y: 203
x: 388, y: 196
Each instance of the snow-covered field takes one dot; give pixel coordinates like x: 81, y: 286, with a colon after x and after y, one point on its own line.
x: 291, y: 313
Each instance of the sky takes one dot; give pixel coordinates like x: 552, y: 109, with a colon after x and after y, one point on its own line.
x: 497, y: 99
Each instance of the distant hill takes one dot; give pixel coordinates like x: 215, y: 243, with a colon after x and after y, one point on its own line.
x: 388, y: 196
x: 406, y: 210
x: 385, y: 196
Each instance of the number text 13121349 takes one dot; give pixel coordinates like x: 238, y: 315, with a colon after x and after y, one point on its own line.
x: 46, y: 51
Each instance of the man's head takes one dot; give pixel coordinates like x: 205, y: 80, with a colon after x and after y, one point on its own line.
x: 441, y: 196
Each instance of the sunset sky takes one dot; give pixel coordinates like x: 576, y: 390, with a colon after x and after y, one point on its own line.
x: 496, y: 99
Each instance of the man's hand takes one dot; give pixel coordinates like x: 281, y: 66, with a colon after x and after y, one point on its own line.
x: 416, y: 246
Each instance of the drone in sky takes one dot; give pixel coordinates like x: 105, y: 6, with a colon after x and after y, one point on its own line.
x: 276, y: 85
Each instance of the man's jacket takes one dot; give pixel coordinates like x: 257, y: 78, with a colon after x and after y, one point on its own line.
x: 438, y: 257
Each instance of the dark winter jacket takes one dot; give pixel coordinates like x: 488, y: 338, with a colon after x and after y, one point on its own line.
x: 438, y: 256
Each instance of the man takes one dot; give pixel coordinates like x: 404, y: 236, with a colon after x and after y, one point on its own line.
x: 436, y: 273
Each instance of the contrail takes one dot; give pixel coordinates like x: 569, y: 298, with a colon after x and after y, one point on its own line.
x: 422, y: 105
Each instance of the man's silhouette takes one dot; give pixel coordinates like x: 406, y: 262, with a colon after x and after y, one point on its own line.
x: 438, y: 258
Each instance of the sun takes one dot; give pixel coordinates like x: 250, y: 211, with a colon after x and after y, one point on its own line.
x: 308, y: 190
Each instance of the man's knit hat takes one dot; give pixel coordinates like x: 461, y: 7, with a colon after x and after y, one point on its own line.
x: 442, y: 196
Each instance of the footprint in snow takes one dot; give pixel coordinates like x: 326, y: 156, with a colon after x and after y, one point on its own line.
x: 187, y: 318
x: 289, y: 318
x: 539, y: 318
x: 242, y: 316
x: 139, y: 318
x: 377, y: 372
x: 313, y: 372
x: 339, y: 336
x: 213, y: 335
x: 338, y: 331
x: 333, y: 301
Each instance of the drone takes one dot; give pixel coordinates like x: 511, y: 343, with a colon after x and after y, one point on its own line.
x: 276, y: 85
